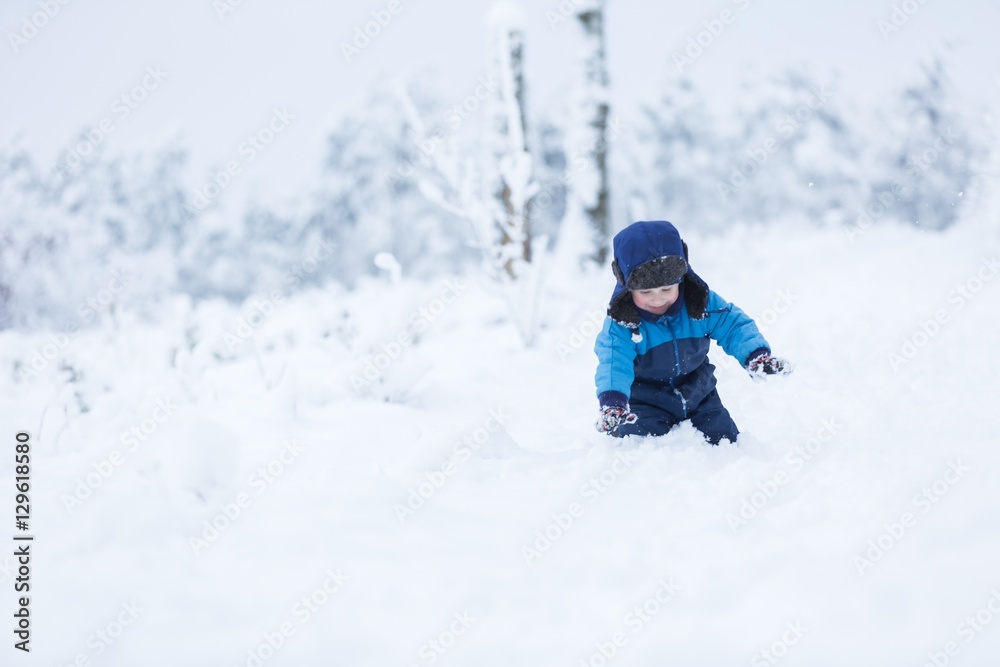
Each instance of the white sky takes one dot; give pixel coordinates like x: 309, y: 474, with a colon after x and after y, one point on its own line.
x: 226, y: 75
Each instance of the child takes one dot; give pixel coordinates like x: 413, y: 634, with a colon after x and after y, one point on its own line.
x: 653, y: 369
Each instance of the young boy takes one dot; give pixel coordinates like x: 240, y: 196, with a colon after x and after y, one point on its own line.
x: 653, y: 369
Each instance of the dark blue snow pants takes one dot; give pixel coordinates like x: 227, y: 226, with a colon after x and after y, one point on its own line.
x: 710, y: 417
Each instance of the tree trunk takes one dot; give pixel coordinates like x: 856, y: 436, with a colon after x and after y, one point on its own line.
x: 589, y: 150
x: 514, y: 178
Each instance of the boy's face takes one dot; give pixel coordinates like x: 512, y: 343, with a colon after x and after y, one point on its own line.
x: 656, y: 300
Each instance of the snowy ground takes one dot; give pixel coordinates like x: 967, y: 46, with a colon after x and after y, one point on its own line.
x: 658, y: 551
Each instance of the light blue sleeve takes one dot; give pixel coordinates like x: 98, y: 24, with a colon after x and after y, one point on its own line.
x: 733, y: 329
x: 616, y: 354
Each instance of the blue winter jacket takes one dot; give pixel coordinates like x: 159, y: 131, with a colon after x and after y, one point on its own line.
x: 663, y: 360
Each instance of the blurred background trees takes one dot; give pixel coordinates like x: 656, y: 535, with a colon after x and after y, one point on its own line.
x: 792, y: 152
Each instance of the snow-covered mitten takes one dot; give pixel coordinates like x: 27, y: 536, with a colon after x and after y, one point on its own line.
x: 612, y: 416
x: 762, y: 363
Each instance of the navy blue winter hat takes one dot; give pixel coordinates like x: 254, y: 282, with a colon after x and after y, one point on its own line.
x: 648, y: 255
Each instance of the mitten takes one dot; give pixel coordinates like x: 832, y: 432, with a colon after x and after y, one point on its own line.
x: 612, y: 416
x: 761, y: 363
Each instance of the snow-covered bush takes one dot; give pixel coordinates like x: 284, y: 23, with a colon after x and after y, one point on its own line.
x: 793, y: 150
x: 926, y: 157
x: 78, y: 244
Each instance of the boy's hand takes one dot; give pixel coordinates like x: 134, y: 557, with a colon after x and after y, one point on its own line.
x: 764, y: 364
x: 613, y: 416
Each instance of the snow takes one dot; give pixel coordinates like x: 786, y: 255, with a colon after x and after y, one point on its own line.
x: 388, y: 263
x: 305, y: 470
x: 506, y: 14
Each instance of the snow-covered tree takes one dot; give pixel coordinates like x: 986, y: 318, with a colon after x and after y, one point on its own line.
x: 786, y: 150
x: 549, y: 205
x: 77, y: 244
x: 495, y: 198
x: 585, y: 229
x: 369, y: 201
x: 515, y: 185
x: 793, y: 156
x: 928, y: 158
x: 678, y: 163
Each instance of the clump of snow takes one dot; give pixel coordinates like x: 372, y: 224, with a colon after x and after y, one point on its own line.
x: 388, y: 262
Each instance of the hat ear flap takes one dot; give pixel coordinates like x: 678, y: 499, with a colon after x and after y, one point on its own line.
x: 615, y: 269
x: 685, y: 246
